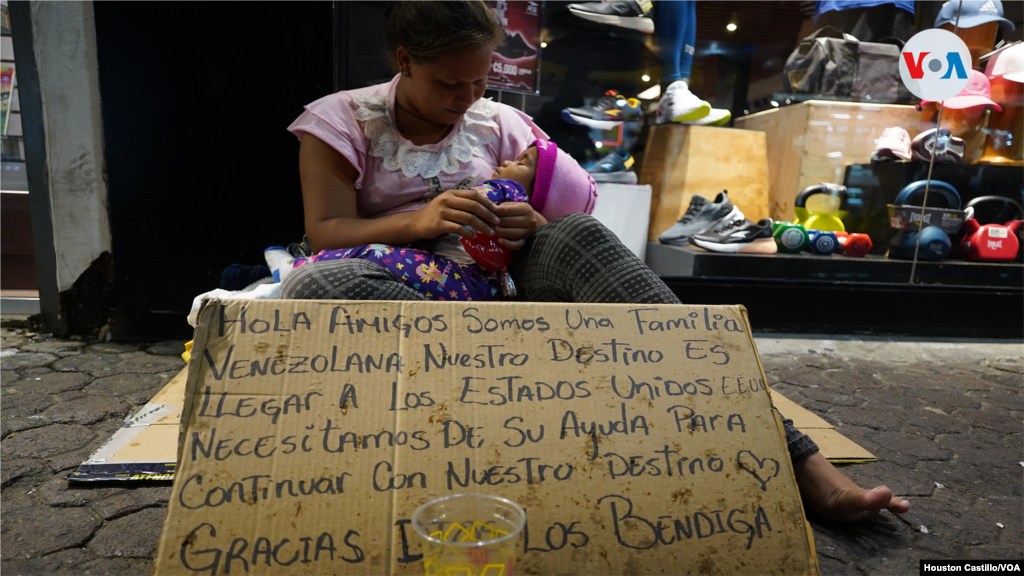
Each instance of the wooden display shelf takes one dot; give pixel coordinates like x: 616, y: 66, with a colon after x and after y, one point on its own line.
x: 682, y: 160
x: 813, y: 142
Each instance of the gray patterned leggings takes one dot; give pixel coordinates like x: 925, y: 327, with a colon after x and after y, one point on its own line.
x: 573, y: 259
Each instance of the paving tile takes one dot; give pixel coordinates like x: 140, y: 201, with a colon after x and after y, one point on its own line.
x: 53, y: 382
x: 133, y: 499
x: 25, y: 360
x: 134, y: 536
x: 111, y: 348
x: 47, y: 441
x: 150, y: 364
x: 854, y: 380
x: 37, y: 531
x: 952, y: 518
x: 124, y: 384
x: 95, y: 364
x: 61, y: 493
x: 63, y: 562
x: 52, y: 346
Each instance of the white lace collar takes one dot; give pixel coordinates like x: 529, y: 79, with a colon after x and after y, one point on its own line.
x: 476, y: 130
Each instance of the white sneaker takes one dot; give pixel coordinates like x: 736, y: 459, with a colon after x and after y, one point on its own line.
x: 678, y: 104
x: 717, y: 117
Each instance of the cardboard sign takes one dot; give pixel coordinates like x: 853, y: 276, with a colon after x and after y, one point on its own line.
x: 639, y: 438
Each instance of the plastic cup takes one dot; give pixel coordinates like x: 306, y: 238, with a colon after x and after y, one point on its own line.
x: 469, y: 535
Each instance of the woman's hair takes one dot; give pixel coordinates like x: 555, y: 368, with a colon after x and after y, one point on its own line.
x: 430, y: 29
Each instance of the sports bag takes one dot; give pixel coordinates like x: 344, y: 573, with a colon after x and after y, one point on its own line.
x: 837, y: 66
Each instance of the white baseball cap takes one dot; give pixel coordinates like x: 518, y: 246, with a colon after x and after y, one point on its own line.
x: 1008, y: 64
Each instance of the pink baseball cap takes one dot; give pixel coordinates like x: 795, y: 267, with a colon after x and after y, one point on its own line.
x: 562, y: 186
x: 978, y: 92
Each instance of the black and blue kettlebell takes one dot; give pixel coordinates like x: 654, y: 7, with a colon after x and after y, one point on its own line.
x: 935, y: 243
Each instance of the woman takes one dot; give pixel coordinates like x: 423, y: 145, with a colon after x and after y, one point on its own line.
x: 389, y: 164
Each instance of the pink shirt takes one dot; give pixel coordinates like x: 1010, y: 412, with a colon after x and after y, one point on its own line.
x: 393, y: 172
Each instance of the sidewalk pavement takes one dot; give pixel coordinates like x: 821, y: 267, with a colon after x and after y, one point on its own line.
x: 945, y: 420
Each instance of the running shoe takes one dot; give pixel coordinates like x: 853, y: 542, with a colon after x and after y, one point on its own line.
x: 614, y: 167
x: 717, y: 117
x: 632, y: 14
x: 608, y: 112
x: 894, y: 144
x: 515, y: 47
x: 739, y: 236
x: 947, y: 148
x: 699, y: 216
x: 678, y: 104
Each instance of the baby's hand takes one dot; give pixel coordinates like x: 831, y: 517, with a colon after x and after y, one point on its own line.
x: 517, y: 221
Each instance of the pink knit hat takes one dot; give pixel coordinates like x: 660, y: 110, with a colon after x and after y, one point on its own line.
x: 562, y: 186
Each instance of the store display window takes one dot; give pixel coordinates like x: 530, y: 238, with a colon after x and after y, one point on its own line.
x: 776, y: 139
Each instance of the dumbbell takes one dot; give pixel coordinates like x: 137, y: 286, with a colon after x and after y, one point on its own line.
x: 823, y: 243
x: 856, y: 244
x: 791, y: 238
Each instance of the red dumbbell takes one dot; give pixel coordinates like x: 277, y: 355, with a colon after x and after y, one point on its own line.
x: 855, y: 244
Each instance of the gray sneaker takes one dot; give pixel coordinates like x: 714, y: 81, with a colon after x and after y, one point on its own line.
x: 700, y: 215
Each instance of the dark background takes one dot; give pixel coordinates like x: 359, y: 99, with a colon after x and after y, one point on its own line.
x: 201, y: 170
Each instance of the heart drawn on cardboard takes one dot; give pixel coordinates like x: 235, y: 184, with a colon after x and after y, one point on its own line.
x: 756, y: 467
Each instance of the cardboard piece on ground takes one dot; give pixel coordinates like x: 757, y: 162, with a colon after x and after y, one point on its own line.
x: 639, y: 438
x: 146, y: 448
x: 832, y: 445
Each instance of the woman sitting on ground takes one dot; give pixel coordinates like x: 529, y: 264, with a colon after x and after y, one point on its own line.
x: 391, y: 164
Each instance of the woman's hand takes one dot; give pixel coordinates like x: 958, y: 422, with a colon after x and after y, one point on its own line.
x: 518, y: 221
x: 452, y: 211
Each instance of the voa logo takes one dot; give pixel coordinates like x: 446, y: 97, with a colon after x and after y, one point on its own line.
x: 935, y: 65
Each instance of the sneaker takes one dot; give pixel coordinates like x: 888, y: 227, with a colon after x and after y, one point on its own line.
x: 515, y: 47
x: 608, y: 112
x: 632, y: 14
x: 678, y: 104
x: 701, y: 215
x: 739, y: 236
x: 716, y: 117
x: 894, y: 144
x: 614, y: 167
x: 947, y: 148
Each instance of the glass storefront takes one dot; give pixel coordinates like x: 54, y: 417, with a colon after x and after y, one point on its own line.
x: 793, y: 135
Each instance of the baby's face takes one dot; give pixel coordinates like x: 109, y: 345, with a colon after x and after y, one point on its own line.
x: 522, y: 170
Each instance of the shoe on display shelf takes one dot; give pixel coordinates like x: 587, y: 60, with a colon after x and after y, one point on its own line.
x: 739, y: 236
x: 678, y: 104
x: 613, y: 168
x: 700, y: 215
x: 608, y: 112
x: 632, y: 14
x: 717, y: 117
x: 947, y: 148
x: 894, y: 144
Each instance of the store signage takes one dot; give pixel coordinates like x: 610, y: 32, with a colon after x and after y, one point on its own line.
x: 516, y: 63
x: 934, y: 65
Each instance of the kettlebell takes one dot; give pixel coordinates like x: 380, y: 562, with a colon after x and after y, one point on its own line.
x: 823, y: 242
x: 817, y: 207
x: 995, y: 241
x: 790, y: 238
x: 935, y: 244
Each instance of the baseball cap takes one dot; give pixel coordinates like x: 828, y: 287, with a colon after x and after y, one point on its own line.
x: 1008, y: 64
x: 978, y: 92
x: 974, y: 13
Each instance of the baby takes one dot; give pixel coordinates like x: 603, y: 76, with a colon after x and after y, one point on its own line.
x: 441, y: 269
